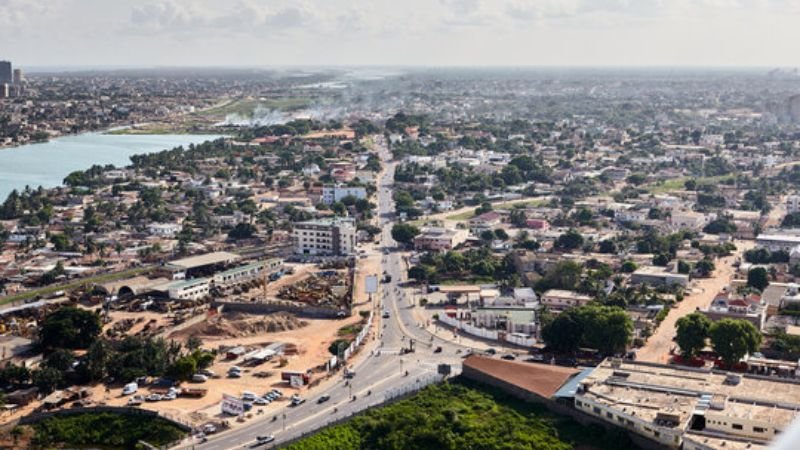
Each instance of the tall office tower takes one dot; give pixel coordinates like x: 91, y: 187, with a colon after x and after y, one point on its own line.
x: 6, y: 75
x: 18, y: 79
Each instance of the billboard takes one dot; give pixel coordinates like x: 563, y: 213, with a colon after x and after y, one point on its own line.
x: 372, y: 284
x: 296, y: 381
x: 231, y: 405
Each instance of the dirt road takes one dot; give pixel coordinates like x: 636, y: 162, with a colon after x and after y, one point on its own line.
x: 658, y: 346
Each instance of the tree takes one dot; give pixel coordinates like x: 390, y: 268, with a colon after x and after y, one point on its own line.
x: 404, y: 233
x: 70, y: 328
x: 758, y: 278
x: 628, y: 267
x: 606, y: 328
x: 660, y: 260
x: 692, y: 331
x: 183, y: 368
x: 733, y: 339
x: 242, y: 230
x: 47, y: 379
x: 570, y: 240
x: 501, y: 234
x: 194, y: 342
x: 61, y: 359
x: 684, y: 267
x: 705, y: 267
x: 607, y: 246
x: 564, y: 333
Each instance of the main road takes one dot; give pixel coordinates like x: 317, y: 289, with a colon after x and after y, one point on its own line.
x: 382, y: 370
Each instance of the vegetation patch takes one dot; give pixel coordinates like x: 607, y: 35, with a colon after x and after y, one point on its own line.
x: 463, y: 415
x: 104, y: 430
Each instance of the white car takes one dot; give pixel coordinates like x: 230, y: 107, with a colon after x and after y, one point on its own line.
x: 262, y: 401
x: 169, y: 396
x: 136, y: 400
x: 154, y: 397
x: 199, y: 378
x: 261, y: 440
x: 248, y: 396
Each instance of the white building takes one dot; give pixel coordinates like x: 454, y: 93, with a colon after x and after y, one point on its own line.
x: 164, y: 229
x: 775, y: 242
x: 325, y: 237
x: 335, y: 193
x: 793, y: 204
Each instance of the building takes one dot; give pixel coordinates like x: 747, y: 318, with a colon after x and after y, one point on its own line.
x: 512, y: 320
x: 793, y: 204
x: 775, y: 242
x: 6, y: 74
x: 484, y: 222
x: 166, y: 230
x: 325, y: 237
x: 189, y: 289
x: 657, y: 276
x: 537, y: 224
x: 687, y: 220
x: 335, y: 193
x: 730, y: 306
x: 436, y: 239
x: 248, y: 272
x: 5, y: 90
x: 559, y: 300
x: 693, y: 408
x: 18, y: 77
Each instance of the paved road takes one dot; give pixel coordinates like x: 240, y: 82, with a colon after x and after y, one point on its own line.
x: 383, y: 369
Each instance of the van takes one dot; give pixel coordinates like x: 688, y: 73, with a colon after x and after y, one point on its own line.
x: 130, y: 388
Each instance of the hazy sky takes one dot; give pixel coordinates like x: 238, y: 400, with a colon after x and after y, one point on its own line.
x: 400, y: 32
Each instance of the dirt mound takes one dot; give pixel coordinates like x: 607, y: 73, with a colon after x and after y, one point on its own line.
x: 232, y: 325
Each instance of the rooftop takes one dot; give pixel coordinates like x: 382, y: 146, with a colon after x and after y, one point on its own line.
x: 205, y: 260
x: 541, y: 379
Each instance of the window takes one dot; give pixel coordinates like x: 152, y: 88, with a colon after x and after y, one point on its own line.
x: 759, y: 430
x: 609, y: 415
x: 736, y: 426
x: 596, y: 410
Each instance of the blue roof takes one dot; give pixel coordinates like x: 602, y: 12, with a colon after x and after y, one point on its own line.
x: 569, y: 388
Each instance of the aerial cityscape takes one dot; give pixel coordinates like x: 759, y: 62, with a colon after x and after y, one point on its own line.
x: 492, y: 250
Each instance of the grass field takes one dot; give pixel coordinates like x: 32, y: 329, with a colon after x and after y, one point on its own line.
x: 246, y: 107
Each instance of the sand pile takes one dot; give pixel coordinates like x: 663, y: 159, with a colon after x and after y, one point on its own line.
x: 233, y: 325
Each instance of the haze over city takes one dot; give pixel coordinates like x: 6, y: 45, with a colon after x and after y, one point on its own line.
x: 208, y: 33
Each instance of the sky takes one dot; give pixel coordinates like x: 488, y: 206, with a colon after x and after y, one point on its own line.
x: 706, y: 33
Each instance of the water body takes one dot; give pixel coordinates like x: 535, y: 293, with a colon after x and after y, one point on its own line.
x: 48, y: 163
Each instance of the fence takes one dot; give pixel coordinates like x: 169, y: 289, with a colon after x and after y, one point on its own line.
x: 483, y: 333
x: 351, y: 349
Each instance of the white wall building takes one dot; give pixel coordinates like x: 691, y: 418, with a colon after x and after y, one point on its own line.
x: 325, y: 237
x: 335, y: 193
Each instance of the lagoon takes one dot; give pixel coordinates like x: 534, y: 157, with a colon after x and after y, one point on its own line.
x: 47, y: 164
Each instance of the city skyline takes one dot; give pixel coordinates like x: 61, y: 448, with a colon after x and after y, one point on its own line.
x: 249, y: 33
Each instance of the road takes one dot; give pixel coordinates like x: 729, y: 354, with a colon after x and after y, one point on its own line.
x: 380, y: 372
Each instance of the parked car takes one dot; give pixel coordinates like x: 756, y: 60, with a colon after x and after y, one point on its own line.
x: 130, y: 388
x: 509, y: 357
x: 136, y: 400
x: 248, y: 396
x: 262, y: 401
x: 209, y: 429
x: 199, y: 378
x: 154, y: 398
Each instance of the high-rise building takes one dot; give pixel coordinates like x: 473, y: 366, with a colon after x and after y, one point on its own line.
x: 5, y: 90
x: 6, y: 75
x: 18, y: 78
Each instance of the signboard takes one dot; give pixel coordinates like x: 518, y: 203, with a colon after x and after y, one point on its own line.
x: 231, y: 405
x: 372, y: 284
x: 296, y: 381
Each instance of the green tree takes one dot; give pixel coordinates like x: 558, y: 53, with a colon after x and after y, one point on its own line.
x: 404, y: 233
x: 692, y: 331
x: 733, y: 339
x: 47, y: 379
x: 564, y: 333
x: 183, y: 368
x: 570, y: 240
x: 705, y: 267
x: 628, y: 267
x: 242, y: 231
x: 70, y: 328
x: 758, y: 278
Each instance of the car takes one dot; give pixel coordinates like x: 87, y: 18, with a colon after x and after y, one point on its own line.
x: 277, y: 392
x: 135, y: 400
x: 130, y: 388
x: 154, y: 397
x: 209, y: 429
x: 491, y: 351
x: 297, y: 400
x: 437, y: 350
x: 261, y: 440
x: 324, y: 398
x: 386, y: 314
x: 248, y: 396
x: 199, y: 378
x: 234, y: 374
x: 170, y: 396
x: 262, y: 401
x: 509, y: 357
x: 207, y: 372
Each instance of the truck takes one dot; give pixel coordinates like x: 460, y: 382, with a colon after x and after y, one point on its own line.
x: 287, y: 376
